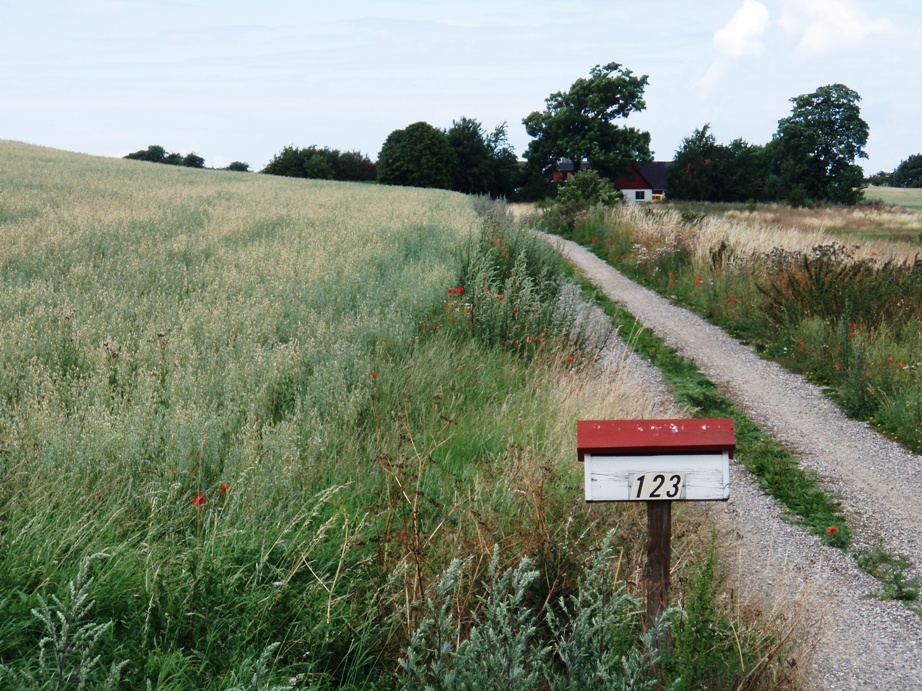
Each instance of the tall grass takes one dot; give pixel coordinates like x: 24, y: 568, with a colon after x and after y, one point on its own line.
x: 848, y: 316
x: 249, y: 393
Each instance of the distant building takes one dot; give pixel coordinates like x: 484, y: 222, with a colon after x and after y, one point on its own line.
x: 640, y: 183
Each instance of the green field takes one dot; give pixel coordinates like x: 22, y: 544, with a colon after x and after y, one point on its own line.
x: 249, y: 422
x: 910, y: 198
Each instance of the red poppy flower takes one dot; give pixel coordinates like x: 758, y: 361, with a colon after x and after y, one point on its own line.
x: 832, y: 530
x: 374, y: 375
x: 224, y: 487
x: 459, y: 290
x: 199, y: 499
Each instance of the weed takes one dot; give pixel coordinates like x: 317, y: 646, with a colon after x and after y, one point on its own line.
x: 67, y: 653
x: 891, y: 570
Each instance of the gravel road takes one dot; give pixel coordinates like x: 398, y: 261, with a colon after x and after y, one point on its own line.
x: 860, y: 642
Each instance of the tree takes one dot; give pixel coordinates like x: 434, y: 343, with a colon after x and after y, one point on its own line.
x: 193, y: 160
x: 816, y: 146
x: 485, y: 162
x: 908, y: 173
x: 153, y: 153
x: 473, y: 168
x: 417, y: 156
x: 695, y: 172
x: 239, y: 166
x: 157, y: 154
x: 580, y: 124
x: 704, y: 170
x: 321, y: 164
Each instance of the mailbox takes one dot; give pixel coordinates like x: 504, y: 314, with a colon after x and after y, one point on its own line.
x: 656, y: 460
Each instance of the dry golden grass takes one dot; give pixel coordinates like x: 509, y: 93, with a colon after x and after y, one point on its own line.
x: 759, y: 232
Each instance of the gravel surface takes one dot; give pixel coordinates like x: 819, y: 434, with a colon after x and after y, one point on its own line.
x: 859, y: 641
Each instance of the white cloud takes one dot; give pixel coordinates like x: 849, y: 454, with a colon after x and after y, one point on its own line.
x: 828, y: 26
x: 743, y: 34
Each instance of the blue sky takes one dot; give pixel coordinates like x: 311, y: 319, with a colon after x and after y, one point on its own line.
x: 239, y: 80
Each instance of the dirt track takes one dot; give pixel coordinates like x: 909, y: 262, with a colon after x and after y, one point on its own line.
x: 861, y: 642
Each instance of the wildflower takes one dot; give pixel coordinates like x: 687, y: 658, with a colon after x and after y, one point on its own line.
x: 224, y: 487
x: 801, y: 341
x: 838, y: 365
x: 889, y: 360
x: 570, y: 359
x: 451, y: 291
x: 374, y: 375
x: 459, y: 290
x: 698, y: 282
x: 199, y: 499
x: 832, y: 530
x: 851, y: 335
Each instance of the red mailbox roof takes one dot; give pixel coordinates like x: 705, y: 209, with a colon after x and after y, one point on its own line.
x: 628, y: 437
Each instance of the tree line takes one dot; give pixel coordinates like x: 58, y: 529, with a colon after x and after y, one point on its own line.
x: 907, y: 174
x: 811, y: 157
x: 157, y: 154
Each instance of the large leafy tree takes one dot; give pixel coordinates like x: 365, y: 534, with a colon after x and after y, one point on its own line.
x: 816, y: 146
x: 908, y: 173
x: 485, y: 163
x: 583, y: 123
x: 417, y: 156
x: 704, y: 170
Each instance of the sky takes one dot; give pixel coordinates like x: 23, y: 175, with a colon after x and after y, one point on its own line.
x: 238, y: 80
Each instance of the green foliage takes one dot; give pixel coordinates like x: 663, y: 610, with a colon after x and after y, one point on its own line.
x: 580, y: 124
x: 830, y: 284
x: 67, y: 653
x: 239, y: 167
x: 321, y: 164
x: 192, y: 160
x: 810, y: 159
x: 581, y: 192
x: 908, y: 173
x: 485, y: 163
x: 157, y: 154
x: 417, y: 156
x: 816, y: 146
x: 153, y: 153
x: 707, y: 171
x: 510, y: 282
x: 892, y: 570
x: 596, y: 636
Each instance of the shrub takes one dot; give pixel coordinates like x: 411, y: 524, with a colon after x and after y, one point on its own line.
x: 581, y: 192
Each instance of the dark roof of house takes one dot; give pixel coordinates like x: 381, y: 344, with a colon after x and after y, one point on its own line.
x: 565, y: 165
x: 655, y: 173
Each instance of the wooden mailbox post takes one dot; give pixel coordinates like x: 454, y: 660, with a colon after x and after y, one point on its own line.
x: 659, y: 462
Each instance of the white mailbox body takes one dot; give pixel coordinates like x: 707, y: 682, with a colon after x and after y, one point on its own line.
x: 649, y: 460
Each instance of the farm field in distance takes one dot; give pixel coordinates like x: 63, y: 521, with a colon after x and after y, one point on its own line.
x: 253, y: 420
x: 911, y: 198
